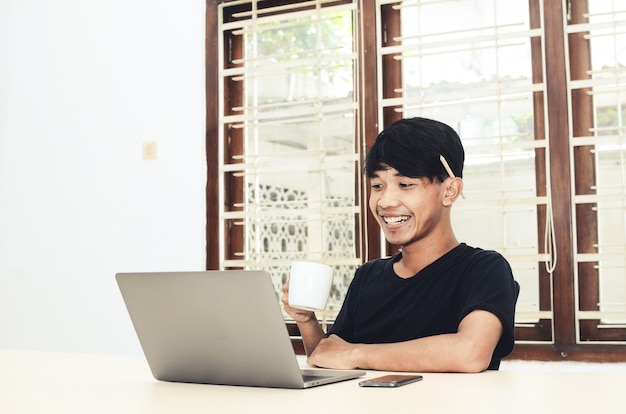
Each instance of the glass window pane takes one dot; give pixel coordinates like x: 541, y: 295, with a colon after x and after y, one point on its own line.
x: 468, y: 63
x: 606, y: 143
x: 297, y: 160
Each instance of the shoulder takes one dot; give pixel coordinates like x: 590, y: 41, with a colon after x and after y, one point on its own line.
x: 475, y: 256
x: 477, y: 266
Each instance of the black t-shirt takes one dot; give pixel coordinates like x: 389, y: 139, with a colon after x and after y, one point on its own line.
x: 381, y: 307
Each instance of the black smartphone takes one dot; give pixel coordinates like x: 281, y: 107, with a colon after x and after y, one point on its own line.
x: 390, y: 381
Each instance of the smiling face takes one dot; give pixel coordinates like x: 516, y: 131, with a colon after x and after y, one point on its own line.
x: 407, y: 209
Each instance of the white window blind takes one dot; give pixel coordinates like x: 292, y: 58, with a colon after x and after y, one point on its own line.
x: 469, y: 64
x: 604, y: 81
x: 293, y: 131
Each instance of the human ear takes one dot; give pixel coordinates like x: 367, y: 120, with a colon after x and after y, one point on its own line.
x: 454, y: 189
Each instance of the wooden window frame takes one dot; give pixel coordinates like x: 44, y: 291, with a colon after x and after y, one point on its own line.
x: 561, y: 332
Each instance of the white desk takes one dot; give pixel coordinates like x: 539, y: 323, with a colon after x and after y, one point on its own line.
x: 39, y: 382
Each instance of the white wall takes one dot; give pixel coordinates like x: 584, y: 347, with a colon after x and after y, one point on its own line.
x: 82, y: 85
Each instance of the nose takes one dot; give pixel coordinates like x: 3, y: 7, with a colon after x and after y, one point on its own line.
x: 387, y: 198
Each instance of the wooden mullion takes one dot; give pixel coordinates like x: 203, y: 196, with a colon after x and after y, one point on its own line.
x: 391, y: 74
x: 392, y: 68
x: 542, y: 330
x: 368, y: 116
x: 584, y: 169
x: 211, y: 137
x: 560, y: 173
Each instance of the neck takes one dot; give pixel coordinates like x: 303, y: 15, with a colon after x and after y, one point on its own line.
x: 420, y: 254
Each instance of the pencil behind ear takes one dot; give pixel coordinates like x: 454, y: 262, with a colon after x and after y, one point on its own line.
x: 451, y: 174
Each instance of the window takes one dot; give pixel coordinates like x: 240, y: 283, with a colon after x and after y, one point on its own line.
x: 597, y: 102
x: 473, y: 70
x: 301, y: 89
x: 288, y: 141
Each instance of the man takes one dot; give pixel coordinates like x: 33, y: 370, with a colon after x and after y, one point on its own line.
x: 436, y: 306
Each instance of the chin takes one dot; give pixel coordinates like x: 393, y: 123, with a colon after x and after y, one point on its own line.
x: 401, y: 241
x: 396, y: 242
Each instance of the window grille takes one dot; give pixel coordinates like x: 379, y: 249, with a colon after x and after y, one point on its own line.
x: 288, y: 138
x: 295, y: 118
x: 470, y: 65
x: 600, y: 80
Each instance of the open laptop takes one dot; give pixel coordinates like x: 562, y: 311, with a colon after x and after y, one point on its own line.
x: 216, y: 327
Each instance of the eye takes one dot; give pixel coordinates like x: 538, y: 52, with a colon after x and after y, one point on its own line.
x: 376, y: 186
x: 406, y: 185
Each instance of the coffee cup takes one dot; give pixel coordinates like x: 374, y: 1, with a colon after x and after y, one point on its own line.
x: 309, y: 285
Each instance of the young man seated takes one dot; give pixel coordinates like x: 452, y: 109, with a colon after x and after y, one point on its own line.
x: 436, y: 306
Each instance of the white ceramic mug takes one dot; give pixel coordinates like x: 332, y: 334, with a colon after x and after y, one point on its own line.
x: 309, y: 285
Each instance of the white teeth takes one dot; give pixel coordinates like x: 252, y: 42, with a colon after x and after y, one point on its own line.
x: 395, y: 220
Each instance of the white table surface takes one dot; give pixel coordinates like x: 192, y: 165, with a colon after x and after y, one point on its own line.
x: 42, y: 382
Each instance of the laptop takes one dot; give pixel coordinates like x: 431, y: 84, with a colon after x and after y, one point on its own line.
x: 217, y: 327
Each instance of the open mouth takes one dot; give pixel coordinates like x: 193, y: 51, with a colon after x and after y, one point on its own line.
x: 395, y: 219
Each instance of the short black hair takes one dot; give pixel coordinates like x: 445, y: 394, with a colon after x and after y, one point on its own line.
x: 412, y: 146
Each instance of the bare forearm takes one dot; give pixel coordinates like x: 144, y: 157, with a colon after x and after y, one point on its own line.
x: 468, y: 350
x: 441, y: 353
x: 308, y: 325
x: 312, y: 333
